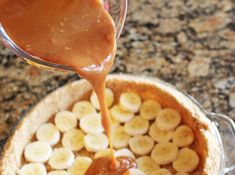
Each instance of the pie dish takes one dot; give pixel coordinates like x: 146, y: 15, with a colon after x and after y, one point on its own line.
x: 208, y: 143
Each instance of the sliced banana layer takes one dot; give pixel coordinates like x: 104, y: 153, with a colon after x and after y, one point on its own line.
x: 48, y: 133
x: 130, y: 101
x: 109, y: 97
x: 164, y: 153
x: 120, y: 138
x: 161, y: 171
x: 91, y: 124
x: 187, y: 161
x: 136, y: 126
x: 124, y: 152
x: 37, y: 152
x: 103, y: 153
x: 141, y: 145
x: 168, y: 119
x: 183, y: 136
x: 83, y: 108
x: 65, y: 121
x: 134, y: 171
x: 160, y: 135
x: 128, y: 129
x: 121, y: 115
x: 33, y: 169
x: 62, y: 158
x: 149, y: 109
x: 80, y: 165
x: 146, y: 164
x: 94, y: 143
x: 73, y: 140
x: 58, y: 173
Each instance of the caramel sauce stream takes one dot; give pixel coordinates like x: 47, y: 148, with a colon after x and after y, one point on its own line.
x: 75, y: 33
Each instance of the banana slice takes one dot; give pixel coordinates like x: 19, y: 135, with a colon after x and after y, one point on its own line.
x: 61, y: 158
x: 160, y: 135
x: 94, y: 143
x: 58, y: 173
x: 124, y: 152
x: 137, y: 126
x: 149, y: 109
x: 183, y: 136
x: 146, y: 164
x: 83, y: 108
x: 114, y: 124
x: 103, y: 153
x: 101, y: 1
x: 164, y: 153
x: 65, y: 121
x: 134, y: 171
x: 33, y: 168
x: 91, y: 124
x: 109, y: 97
x: 187, y: 161
x: 121, y: 115
x: 168, y: 119
x: 73, y: 140
x: 120, y: 138
x: 130, y: 101
x: 48, y: 133
x: 80, y: 165
x: 141, y: 145
x: 161, y: 171
x: 37, y: 152
x: 181, y: 174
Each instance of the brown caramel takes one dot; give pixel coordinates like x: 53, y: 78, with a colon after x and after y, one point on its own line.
x: 101, y: 166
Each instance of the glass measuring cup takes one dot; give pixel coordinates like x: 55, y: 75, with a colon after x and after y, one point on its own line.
x: 116, y: 8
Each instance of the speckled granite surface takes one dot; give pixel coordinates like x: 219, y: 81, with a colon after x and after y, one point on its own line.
x: 188, y: 43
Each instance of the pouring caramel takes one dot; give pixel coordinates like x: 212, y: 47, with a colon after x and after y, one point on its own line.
x: 76, y: 33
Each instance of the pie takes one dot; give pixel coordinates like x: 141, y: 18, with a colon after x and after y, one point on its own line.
x: 151, y: 122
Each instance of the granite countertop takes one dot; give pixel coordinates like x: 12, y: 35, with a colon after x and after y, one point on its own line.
x: 190, y: 44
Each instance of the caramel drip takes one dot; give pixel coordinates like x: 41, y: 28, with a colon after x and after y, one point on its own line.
x: 101, y: 166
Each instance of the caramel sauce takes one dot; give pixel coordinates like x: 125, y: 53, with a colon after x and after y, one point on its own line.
x: 124, y: 163
x: 76, y: 33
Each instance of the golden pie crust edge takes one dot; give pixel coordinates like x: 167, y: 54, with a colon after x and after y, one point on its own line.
x: 64, y: 97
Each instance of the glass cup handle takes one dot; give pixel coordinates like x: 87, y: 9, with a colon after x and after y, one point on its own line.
x: 226, y: 128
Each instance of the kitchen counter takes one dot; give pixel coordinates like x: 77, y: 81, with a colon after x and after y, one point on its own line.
x: 190, y: 45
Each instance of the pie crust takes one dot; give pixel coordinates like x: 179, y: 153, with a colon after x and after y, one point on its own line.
x: 64, y: 97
